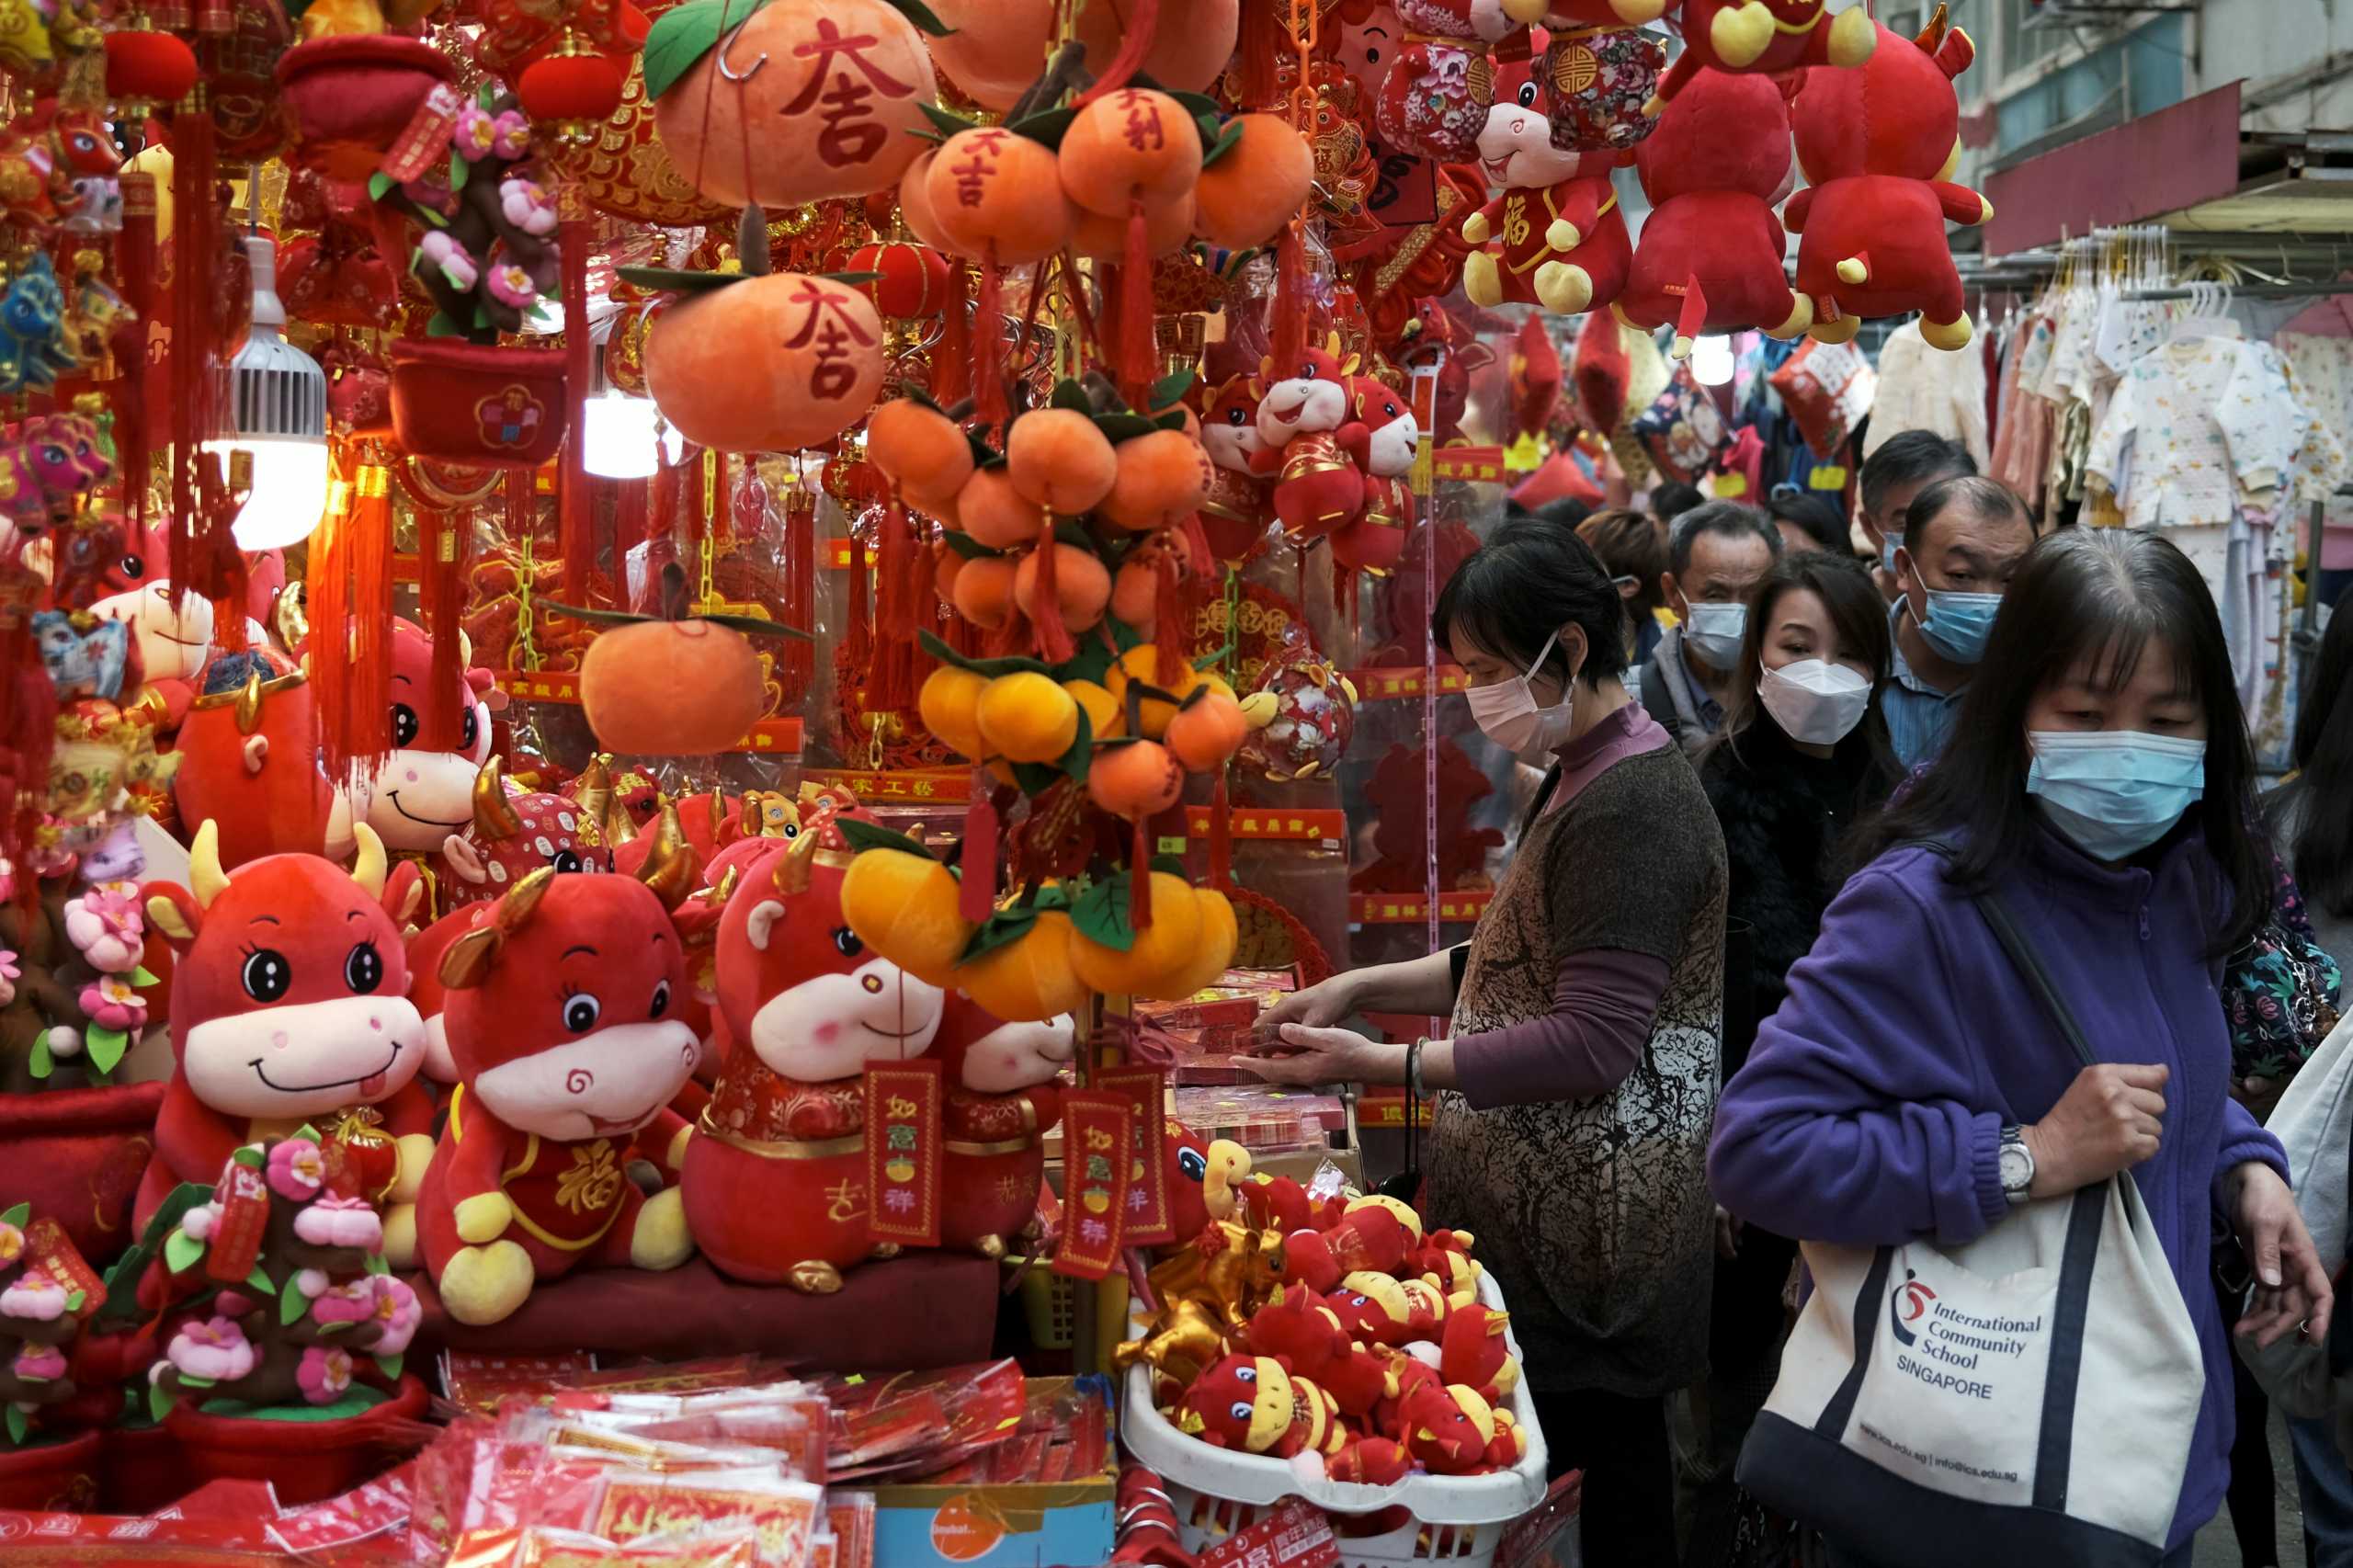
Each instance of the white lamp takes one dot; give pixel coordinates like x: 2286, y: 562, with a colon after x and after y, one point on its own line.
x: 1711, y: 364
x: 623, y: 436
x: 277, y: 412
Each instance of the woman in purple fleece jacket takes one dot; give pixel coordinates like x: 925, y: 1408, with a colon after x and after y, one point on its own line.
x: 2098, y: 781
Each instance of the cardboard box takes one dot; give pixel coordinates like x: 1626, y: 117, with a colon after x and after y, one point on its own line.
x: 999, y: 1524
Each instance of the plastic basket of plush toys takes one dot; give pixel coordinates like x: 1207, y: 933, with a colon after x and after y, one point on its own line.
x: 1376, y: 1377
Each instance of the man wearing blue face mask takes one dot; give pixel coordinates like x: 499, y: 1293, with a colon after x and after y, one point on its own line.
x: 1716, y: 556
x: 1895, y: 473
x: 1964, y: 539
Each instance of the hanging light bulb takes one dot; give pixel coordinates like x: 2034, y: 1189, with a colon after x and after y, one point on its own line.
x: 278, y: 414
x: 1711, y: 364
x: 625, y: 437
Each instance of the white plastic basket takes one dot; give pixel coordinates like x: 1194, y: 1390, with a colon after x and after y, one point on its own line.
x: 1456, y: 1519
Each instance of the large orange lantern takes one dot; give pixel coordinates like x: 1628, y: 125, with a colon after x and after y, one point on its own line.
x: 767, y: 364
x: 789, y: 101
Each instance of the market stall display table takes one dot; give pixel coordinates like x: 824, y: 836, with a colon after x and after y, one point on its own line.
x: 918, y: 1311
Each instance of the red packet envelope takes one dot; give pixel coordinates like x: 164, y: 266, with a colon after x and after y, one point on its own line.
x: 784, y: 1514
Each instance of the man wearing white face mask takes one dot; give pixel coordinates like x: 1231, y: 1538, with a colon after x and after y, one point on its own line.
x: 1718, y: 554
x: 1577, y: 1083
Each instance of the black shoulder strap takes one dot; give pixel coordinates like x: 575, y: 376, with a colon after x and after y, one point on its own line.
x: 2014, y: 943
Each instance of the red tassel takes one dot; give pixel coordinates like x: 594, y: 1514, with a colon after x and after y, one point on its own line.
x: 800, y: 592
x: 1290, y: 335
x: 1221, y: 836
x: 134, y: 253
x: 952, y: 364
x: 988, y: 341
x: 1167, y: 624
x: 628, y: 523
x: 576, y: 528
x: 1264, y: 41
x: 328, y: 582
x: 27, y: 732
x: 1140, y: 878
x: 1135, y: 313
x: 1053, y: 637
x: 1135, y: 38
x: 891, y: 688
x: 862, y: 618
x: 977, y: 897
x: 195, y: 355
x: 351, y: 599
x: 441, y: 590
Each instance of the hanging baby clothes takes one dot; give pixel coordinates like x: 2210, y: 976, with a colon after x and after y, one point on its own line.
x: 1922, y: 388
x: 2323, y: 366
x: 2022, y: 437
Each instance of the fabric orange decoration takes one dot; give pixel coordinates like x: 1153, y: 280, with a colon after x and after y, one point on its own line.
x: 994, y: 50
x: 997, y: 197
x: 1130, y: 145
x: 789, y: 101
x: 1191, y: 42
x: 765, y: 363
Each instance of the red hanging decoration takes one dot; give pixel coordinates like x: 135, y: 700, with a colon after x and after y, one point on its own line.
x: 1167, y: 624
x: 1054, y: 645
x: 1220, y: 834
x: 196, y: 358
x: 799, y: 657
x: 1135, y: 313
x: 952, y: 364
x: 988, y: 334
x: 1290, y: 335
x: 444, y: 562
x: 890, y: 686
x: 1143, y: 23
x: 134, y: 261
x: 977, y: 895
x: 1265, y: 39
x: 862, y: 618
x: 576, y: 535
x: 28, y: 731
x: 1140, y: 878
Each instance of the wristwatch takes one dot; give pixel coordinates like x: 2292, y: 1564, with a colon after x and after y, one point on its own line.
x: 2017, y: 1163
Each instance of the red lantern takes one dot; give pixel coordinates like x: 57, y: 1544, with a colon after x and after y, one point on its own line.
x: 914, y: 284
x: 573, y: 91
x: 148, y: 67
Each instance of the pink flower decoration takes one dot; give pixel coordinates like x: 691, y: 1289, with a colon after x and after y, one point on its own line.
x: 476, y: 133
x: 456, y: 263
x: 197, y: 1223
x: 10, y: 973
x: 325, y: 1373
x: 216, y: 1348
x: 12, y: 1243
x: 106, y: 924
x: 310, y: 1283
x: 296, y: 1169
x: 510, y: 135
x: 35, y: 1297
x: 112, y: 1004
x: 340, y: 1223
x: 399, y: 1311
x: 40, y: 1364
x: 351, y: 1302
x: 527, y: 207
x: 511, y: 285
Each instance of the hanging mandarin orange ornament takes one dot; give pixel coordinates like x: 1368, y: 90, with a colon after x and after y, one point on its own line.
x: 783, y: 102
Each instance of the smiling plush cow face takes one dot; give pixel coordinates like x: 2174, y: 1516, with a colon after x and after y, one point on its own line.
x: 289, y: 996
x: 424, y: 791
x: 172, y: 639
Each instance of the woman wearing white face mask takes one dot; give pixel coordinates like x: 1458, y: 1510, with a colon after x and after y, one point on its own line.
x: 1803, y: 755
x: 1578, y: 1078
x: 1916, y: 1083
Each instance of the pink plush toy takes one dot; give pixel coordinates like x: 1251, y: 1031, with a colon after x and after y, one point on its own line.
x: 1435, y: 98
x: 1553, y: 236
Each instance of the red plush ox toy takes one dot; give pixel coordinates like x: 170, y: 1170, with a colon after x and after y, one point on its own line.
x: 1233, y: 518
x: 1317, y: 486
x: 423, y: 792
x: 1000, y: 1102
x: 513, y: 835
x: 1710, y: 260
x: 249, y: 763
x: 1554, y: 236
x: 1770, y: 37
x: 1384, y: 439
x: 562, y: 1026
x: 776, y: 1187
x: 1880, y: 145
x: 290, y: 1006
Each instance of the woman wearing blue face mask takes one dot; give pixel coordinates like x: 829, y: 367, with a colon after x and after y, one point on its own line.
x: 2100, y: 785
x: 1577, y: 1082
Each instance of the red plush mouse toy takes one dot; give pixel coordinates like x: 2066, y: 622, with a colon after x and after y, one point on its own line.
x: 1234, y: 517
x: 563, y: 1032
x: 1253, y: 1404
x: 290, y: 1006
x: 1880, y: 145
x: 1711, y: 259
x: 1318, y: 487
x: 1373, y: 1235
x: 1383, y: 437
x: 1553, y: 235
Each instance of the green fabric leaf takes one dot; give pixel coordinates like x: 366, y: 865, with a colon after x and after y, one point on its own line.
x: 852, y: 278
x: 391, y: 1364
x: 1073, y: 762
x: 159, y: 1400
x: 990, y: 668
x: 143, y: 977
x: 1069, y: 395
x: 18, y: 1424
x: 377, y: 184
x: 106, y: 1046
x: 186, y: 1382
x: 1007, y: 926
x: 753, y: 626
x: 1216, y: 143
x: 949, y: 122
x: 327, y: 1328
x: 677, y: 280
x: 292, y: 1305
x: 1196, y: 104
x: 42, y: 1064
x: 1100, y: 914
x: 970, y: 548
x: 1171, y: 387
x: 1172, y: 420
x: 307, y: 1130
x: 983, y: 455
x: 442, y: 326
x: 584, y: 612
x: 379, y: 1264
x: 253, y: 1158
x: 19, y: 1215
x: 1047, y: 127
x: 1036, y: 777
x: 1172, y: 864
x: 259, y: 1279
x: 1119, y: 428
x: 863, y: 836
x: 682, y: 36
x: 460, y: 171
x: 920, y: 14
x: 73, y: 1302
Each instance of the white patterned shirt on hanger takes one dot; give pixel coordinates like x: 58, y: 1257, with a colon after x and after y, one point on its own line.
x: 2210, y: 420
x: 1922, y: 388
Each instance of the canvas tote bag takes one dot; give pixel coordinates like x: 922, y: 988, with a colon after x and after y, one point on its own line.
x: 2313, y: 1121
x: 2031, y: 1392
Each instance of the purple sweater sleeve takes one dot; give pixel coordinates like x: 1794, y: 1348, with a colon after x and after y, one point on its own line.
x: 2244, y: 1139
x: 1857, y: 1120
x: 1603, y: 1002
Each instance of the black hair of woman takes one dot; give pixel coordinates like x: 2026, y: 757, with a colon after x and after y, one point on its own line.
x: 1858, y: 614
x: 2110, y: 594
x: 2311, y: 815
x: 1531, y: 578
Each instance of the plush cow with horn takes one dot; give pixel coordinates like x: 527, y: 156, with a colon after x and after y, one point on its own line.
x: 290, y: 1006
x: 562, y: 1011
x: 513, y: 835
x: 249, y: 763
x: 423, y: 792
